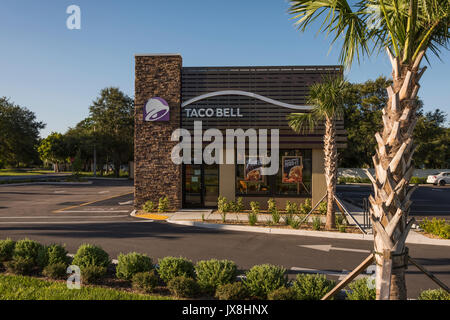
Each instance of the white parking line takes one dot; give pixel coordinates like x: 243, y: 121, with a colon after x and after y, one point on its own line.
x: 63, y: 217
x: 102, y: 192
x: 76, y: 222
x: 331, y: 273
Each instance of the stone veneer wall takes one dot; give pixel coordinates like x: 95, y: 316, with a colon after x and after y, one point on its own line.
x: 155, y: 175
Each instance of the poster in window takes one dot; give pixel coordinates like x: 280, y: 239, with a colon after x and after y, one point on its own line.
x: 292, y: 169
x: 253, y: 169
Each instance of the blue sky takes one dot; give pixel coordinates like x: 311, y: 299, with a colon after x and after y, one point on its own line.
x: 57, y: 72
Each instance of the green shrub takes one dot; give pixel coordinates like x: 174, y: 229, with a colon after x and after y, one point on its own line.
x: 30, y: 251
x: 239, y: 205
x: 359, y: 290
x: 132, y: 263
x: 145, y: 282
x: 223, y: 206
x: 57, y: 254
x: 438, y: 227
x: 183, y: 287
x: 282, y: 293
x: 436, y: 294
x: 316, y: 223
x: 294, y: 223
x: 271, y: 206
x: 252, y: 218
x: 92, y: 274
x: 262, y: 279
x: 171, y: 267
x: 291, y: 208
x: 306, y: 207
x: 322, y: 208
x: 254, y: 207
x: 149, y: 206
x: 21, y: 265
x: 276, y: 216
x: 163, y: 204
x: 312, y: 287
x: 6, y: 250
x: 90, y: 255
x: 55, y: 271
x: 232, y: 291
x: 344, y: 180
x: 417, y: 180
x: 212, y: 273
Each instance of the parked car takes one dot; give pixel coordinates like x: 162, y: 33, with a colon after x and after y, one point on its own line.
x: 439, y: 179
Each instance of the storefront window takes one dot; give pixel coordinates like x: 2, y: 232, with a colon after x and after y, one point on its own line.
x: 293, y: 178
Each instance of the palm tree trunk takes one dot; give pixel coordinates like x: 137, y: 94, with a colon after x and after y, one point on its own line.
x: 393, y: 170
x: 330, y: 151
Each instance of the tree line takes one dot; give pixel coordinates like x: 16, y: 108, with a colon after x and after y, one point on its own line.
x: 109, y: 130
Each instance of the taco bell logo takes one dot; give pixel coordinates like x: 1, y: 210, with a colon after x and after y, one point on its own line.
x: 156, y: 109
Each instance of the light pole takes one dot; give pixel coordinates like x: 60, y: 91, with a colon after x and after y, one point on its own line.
x: 95, y: 156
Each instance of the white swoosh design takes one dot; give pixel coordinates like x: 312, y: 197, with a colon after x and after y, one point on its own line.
x: 247, y: 94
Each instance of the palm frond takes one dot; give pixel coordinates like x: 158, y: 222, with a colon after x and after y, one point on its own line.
x: 302, y: 122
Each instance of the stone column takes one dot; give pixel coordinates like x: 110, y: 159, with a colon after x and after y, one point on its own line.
x: 155, y: 174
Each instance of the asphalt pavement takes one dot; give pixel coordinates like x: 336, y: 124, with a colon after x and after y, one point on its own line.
x: 99, y: 214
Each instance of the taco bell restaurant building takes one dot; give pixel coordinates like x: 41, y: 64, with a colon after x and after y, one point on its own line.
x: 169, y: 96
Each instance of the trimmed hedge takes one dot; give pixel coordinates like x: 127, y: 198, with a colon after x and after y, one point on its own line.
x: 212, y: 273
x: 312, y: 286
x: 57, y: 254
x: 359, y: 290
x: 232, y: 291
x: 183, y: 287
x: 131, y: 264
x: 145, y: 281
x: 91, y: 255
x: 6, y: 250
x: 436, y: 294
x: 172, y: 267
x: 262, y: 279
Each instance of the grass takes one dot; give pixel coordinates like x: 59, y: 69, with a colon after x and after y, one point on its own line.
x: 23, y: 172
x: 28, y: 288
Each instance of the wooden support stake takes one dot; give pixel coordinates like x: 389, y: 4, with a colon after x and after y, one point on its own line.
x: 429, y: 274
x: 352, y: 275
x: 386, y: 270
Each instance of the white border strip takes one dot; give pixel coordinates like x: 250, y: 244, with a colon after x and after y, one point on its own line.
x: 247, y: 94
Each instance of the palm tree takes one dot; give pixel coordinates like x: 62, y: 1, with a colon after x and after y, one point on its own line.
x: 408, y: 31
x: 327, y: 99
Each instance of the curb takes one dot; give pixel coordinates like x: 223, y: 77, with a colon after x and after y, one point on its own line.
x: 414, y: 237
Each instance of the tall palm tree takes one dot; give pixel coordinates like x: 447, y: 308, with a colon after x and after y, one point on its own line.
x: 327, y: 99
x: 408, y: 31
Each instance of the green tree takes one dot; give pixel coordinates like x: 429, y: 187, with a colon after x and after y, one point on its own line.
x: 112, y: 115
x: 19, y: 132
x: 407, y: 30
x: 327, y: 99
x: 53, y: 149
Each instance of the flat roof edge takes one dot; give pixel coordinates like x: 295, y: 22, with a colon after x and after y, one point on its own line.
x: 156, y: 54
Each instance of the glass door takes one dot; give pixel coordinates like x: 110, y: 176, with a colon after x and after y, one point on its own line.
x: 201, y: 186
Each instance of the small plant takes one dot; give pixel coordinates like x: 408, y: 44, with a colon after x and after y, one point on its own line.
x: 57, y: 254
x: 90, y: 255
x: 262, y: 279
x: 276, y: 216
x: 322, y: 208
x: 291, y: 208
x: 203, y: 217
x: 149, y: 206
x: 163, y: 204
x: 132, y: 263
x: 6, y: 250
x: 252, y: 218
x: 312, y: 287
x: 92, y: 274
x: 316, y: 223
x: 306, y: 207
x: 271, y: 206
x: 232, y: 291
x: 360, y: 290
x: 340, y: 223
x: 239, y: 205
x: 145, y: 282
x: 282, y: 293
x: 436, y: 294
x: 254, y: 207
x: 171, y: 267
x: 183, y: 287
x: 294, y: 223
x: 212, y: 273
x: 223, y: 206
x: 55, y: 270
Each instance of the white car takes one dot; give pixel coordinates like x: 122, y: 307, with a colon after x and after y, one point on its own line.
x: 439, y: 179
